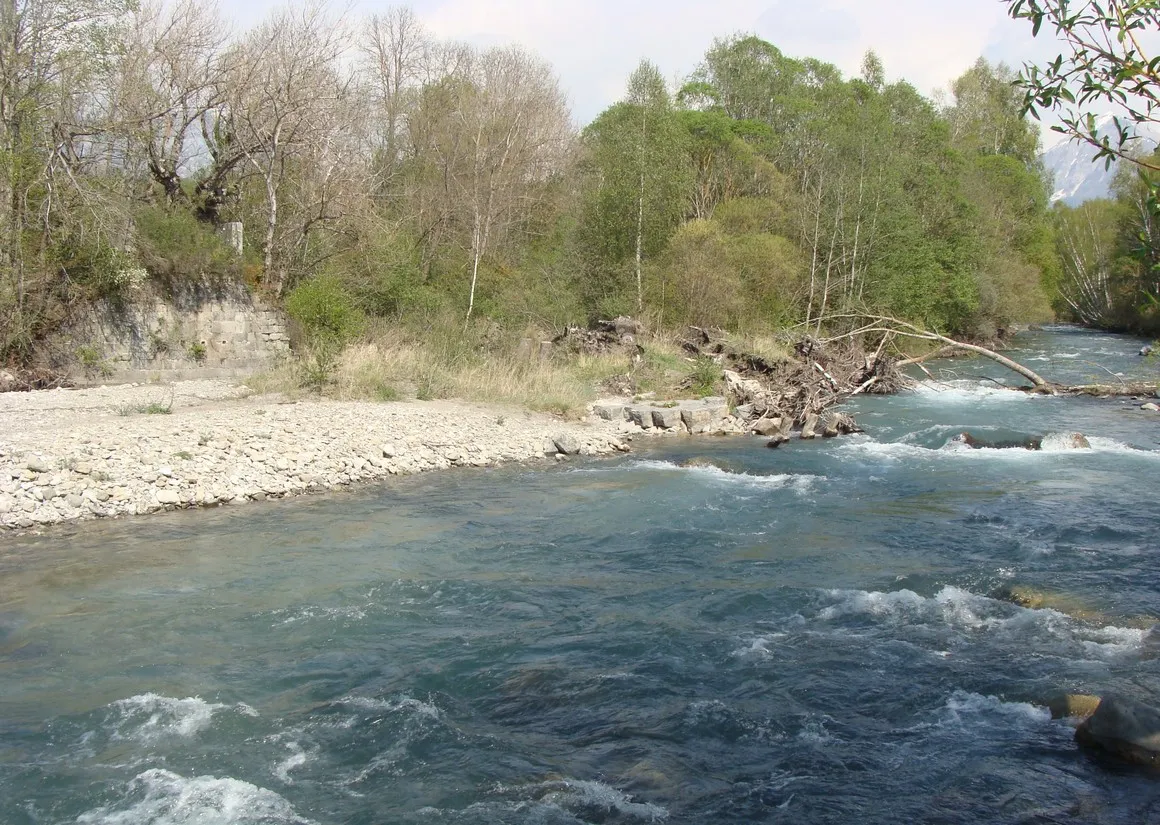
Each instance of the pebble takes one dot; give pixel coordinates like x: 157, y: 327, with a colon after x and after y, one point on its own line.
x: 71, y: 455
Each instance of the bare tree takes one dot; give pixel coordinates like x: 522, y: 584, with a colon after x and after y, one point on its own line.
x: 171, y: 80
x: 288, y: 99
x: 54, y: 61
x: 487, y: 138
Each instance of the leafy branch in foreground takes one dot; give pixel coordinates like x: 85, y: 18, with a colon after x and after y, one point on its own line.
x: 1104, y: 65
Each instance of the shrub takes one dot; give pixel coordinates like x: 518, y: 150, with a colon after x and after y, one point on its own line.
x: 326, y: 311
x: 175, y: 246
x: 103, y: 271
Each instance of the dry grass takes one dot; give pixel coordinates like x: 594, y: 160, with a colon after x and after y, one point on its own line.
x: 391, y: 367
x: 767, y: 347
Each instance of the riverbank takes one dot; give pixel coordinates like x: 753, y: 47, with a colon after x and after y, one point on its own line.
x: 68, y: 455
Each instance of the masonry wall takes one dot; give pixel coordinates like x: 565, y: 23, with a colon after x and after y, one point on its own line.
x: 201, y: 332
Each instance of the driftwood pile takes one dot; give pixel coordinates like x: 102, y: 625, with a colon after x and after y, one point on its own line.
x: 775, y: 396
x: 36, y: 378
x: 619, y: 334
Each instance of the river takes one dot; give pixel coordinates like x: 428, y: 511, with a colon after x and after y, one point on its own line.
x: 811, y: 637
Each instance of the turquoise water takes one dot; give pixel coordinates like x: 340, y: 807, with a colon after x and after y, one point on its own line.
x: 811, y: 638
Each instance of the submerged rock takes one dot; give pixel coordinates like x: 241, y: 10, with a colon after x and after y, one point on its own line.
x: 976, y: 443
x: 1124, y: 728
x: 1072, y: 705
x: 704, y: 462
x: 1066, y: 441
x: 1051, y: 442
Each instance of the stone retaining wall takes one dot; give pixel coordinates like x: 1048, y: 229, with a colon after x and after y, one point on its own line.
x: 201, y: 332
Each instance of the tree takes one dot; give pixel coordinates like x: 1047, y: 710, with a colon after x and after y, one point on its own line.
x: 170, y: 77
x: 56, y: 57
x: 292, y: 113
x: 1104, y: 64
x: 1087, y: 239
x: 396, y: 52
x: 641, y: 178
x: 988, y: 118
x: 488, y: 139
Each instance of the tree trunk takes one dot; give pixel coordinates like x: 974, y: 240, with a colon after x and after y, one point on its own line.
x: 639, y: 245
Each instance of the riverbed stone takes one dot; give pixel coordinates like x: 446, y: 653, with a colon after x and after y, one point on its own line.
x: 610, y: 410
x: 1072, y: 705
x: 231, y: 451
x: 1125, y: 728
x: 766, y: 426
x: 567, y: 444
x: 667, y: 418
x: 810, y: 426
x: 697, y: 420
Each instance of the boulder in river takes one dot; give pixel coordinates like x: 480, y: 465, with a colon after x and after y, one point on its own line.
x: 766, y: 426
x: 976, y: 443
x: 1124, y: 728
x: 837, y: 423
x: 705, y: 463
x: 1072, y: 705
x: 567, y: 444
x: 1065, y: 441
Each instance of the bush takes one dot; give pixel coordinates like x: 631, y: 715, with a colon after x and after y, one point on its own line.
x: 104, y: 272
x: 175, y: 246
x: 326, y: 311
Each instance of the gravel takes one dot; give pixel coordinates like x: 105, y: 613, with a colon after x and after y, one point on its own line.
x: 100, y: 452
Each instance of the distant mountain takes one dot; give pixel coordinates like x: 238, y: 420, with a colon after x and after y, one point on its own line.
x: 1077, y: 177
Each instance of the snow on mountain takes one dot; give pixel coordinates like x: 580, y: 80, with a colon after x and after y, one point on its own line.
x: 1077, y: 177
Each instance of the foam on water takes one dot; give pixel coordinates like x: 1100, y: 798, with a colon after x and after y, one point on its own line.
x: 160, y: 797
x: 799, y: 483
x: 966, y: 391
x: 587, y: 800
x: 297, y: 758
x: 150, y: 717
x: 413, y: 707
x: 1053, y: 449
x: 300, y: 614
x: 963, y: 708
x: 963, y: 610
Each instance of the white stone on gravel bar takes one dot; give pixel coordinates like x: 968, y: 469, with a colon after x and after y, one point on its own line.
x: 76, y: 451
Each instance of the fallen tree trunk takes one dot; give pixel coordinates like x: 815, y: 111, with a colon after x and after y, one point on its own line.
x: 893, y: 326
x: 1126, y: 390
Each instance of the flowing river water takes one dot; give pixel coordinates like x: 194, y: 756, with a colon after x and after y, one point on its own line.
x: 813, y: 637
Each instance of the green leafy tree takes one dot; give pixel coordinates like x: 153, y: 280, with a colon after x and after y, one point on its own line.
x: 640, y: 181
x: 1104, y: 64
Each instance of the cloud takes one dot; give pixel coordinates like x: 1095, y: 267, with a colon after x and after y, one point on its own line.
x: 595, y: 45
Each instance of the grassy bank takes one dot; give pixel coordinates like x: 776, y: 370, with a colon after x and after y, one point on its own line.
x: 393, y: 363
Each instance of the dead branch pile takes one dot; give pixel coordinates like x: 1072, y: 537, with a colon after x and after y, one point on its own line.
x: 619, y: 334
x: 818, y: 375
x: 35, y: 378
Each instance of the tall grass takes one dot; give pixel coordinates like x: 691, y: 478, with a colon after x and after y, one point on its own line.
x: 488, y: 365
x: 394, y: 365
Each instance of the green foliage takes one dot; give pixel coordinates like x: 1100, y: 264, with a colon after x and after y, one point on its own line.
x: 326, y: 311
x: 93, y: 361
x: 150, y: 408
x: 101, y: 270
x: 1101, y: 66
x: 197, y: 352
x: 705, y: 379
x: 177, y: 247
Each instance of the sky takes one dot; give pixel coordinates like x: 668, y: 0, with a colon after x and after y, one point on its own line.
x: 595, y: 44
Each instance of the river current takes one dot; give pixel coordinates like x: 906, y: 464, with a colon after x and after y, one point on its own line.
x: 813, y: 634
